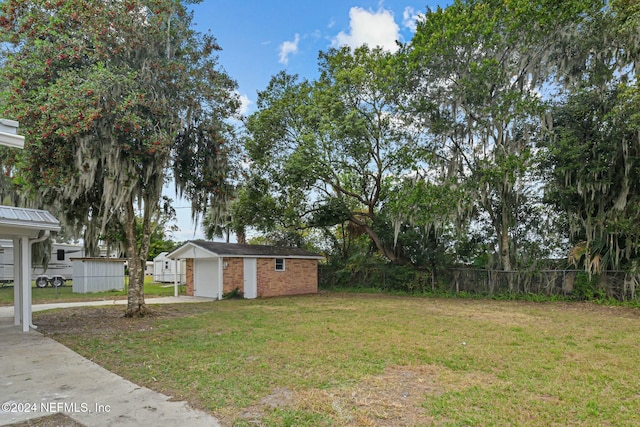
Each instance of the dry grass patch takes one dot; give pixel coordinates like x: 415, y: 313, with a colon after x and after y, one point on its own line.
x: 393, y: 398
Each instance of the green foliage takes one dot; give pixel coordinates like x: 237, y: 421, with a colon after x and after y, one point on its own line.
x: 159, y: 240
x: 334, y: 211
x: 478, y: 67
x: 304, y: 239
x: 114, y: 237
x: 430, y: 152
x: 592, y: 166
x: 323, y: 149
x: 102, y: 90
x: 586, y: 288
x: 370, y: 272
x: 233, y: 294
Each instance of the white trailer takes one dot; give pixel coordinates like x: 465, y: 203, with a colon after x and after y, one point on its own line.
x: 165, y: 269
x: 148, y: 268
x: 59, y: 270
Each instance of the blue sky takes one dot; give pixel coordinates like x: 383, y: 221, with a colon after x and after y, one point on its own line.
x: 261, y: 38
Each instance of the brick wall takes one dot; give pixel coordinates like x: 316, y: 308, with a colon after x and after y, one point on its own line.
x: 189, y: 276
x: 299, y: 277
x: 233, y: 275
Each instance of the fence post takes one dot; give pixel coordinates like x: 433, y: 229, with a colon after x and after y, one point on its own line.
x: 456, y: 276
x: 433, y: 281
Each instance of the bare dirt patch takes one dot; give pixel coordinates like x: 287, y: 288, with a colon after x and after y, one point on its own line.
x: 393, y: 398
x: 280, y: 397
x: 106, y: 320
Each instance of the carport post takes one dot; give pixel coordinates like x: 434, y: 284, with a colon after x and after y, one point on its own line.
x: 17, y: 283
x: 175, y: 277
x: 25, y: 277
x: 220, y: 276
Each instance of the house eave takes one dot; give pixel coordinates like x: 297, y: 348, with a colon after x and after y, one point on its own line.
x: 11, y: 140
x: 10, y: 230
x: 270, y: 256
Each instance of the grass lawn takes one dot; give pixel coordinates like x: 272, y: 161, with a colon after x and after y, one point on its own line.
x: 374, y: 360
x: 65, y: 293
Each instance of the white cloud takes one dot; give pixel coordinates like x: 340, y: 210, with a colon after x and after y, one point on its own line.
x: 288, y: 48
x: 410, y: 18
x: 245, y: 103
x: 370, y: 28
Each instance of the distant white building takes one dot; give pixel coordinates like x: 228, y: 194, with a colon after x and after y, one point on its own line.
x: 165, y: 269
x: 148, y: 268
x: 97, y: 274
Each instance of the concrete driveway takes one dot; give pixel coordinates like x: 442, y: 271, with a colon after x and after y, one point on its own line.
x: 40, y: 377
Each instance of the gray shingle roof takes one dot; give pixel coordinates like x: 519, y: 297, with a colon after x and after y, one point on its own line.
x: 234, y: 249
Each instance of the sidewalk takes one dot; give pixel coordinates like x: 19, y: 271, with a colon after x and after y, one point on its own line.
x: 7, y: 311
x: 40, y: 377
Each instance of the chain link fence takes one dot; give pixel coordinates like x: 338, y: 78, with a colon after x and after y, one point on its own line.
x: 572, y: 284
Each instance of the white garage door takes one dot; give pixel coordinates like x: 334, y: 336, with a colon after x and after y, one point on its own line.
x: 205, y: 277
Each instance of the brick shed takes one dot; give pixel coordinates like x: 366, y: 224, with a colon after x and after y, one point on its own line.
x: 214, y: 269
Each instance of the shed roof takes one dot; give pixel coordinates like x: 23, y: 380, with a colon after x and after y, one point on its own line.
x: 22, y: 221
x: 238, y: 250
x: 161, y: 256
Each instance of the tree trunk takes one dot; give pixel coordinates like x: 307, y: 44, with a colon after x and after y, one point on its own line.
x: 136, y: 306
x: 390, y: 254
x: 241, y: 236
x: 503, y: 246
x: 503, y: 233
x: 505, y: 253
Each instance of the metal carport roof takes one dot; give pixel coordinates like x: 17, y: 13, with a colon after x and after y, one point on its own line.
x: 25, y: 227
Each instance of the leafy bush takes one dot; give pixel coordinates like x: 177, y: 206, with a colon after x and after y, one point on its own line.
x: 234, y: 294
x: 586, y: 288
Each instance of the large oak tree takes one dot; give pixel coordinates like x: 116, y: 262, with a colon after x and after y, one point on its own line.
x: 327, y: 152
x: 103, y: 89
x: 591, y: 157
x: 477, y: 69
